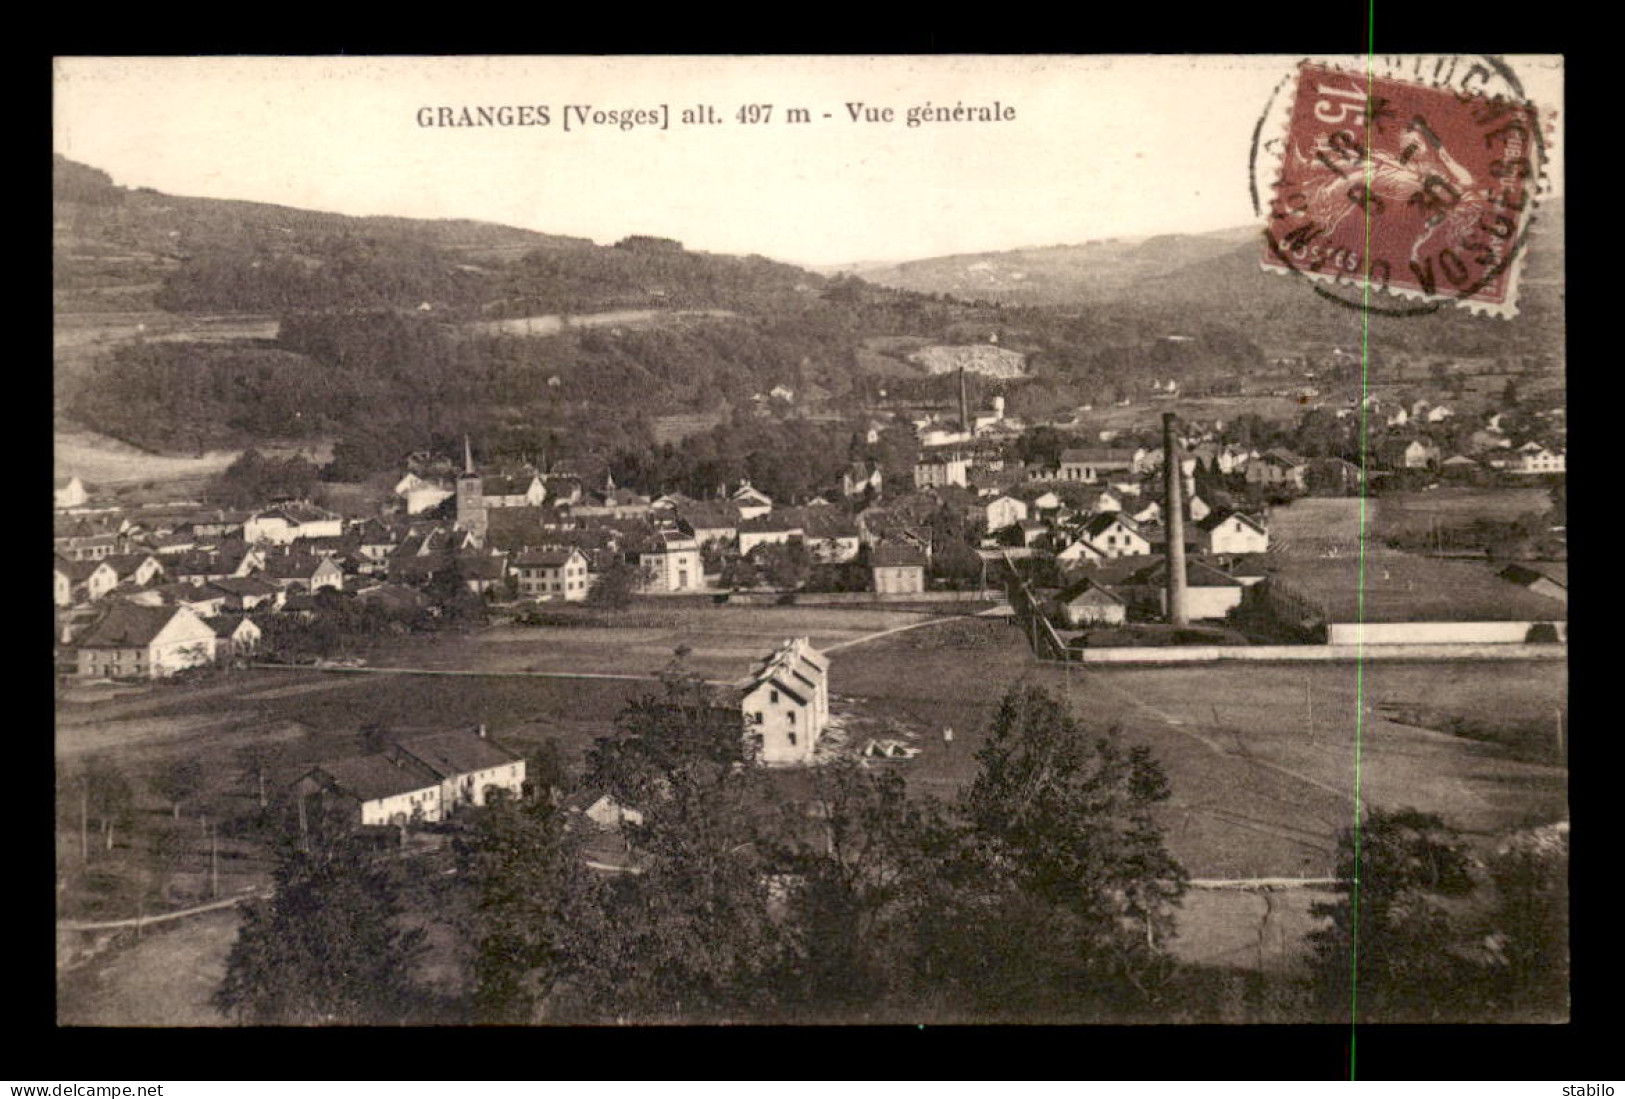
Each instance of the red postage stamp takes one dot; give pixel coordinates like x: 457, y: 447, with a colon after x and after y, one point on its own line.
x: 1423, y: 192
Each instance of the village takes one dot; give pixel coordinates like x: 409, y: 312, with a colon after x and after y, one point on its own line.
x: 151, y: 591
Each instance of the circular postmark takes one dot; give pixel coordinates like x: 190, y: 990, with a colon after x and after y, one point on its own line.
x: 1415, y: 176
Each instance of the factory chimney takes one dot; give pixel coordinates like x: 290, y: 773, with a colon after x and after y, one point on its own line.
x: 964, y: 404
x: 1174, y: 509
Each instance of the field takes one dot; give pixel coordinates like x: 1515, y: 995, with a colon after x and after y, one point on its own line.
x: 1261, y: 759
x: 1454, y: 506
x: 100, y: 460
x: 1148, y: 417
x: 1317, y: 526
x: 1401, y: 587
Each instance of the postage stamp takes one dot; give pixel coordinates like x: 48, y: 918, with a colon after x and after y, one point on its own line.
x: 1424, y: 192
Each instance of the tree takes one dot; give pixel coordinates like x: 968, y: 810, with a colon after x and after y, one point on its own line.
x: 326, y: 948
x: 1393, y: 937
x: 178, y: 781
x: 545, y: 772
x: 1529, y: 941
x: 857, y: 848
x: 531, y: 902
x: 676, y: 735
x: 1060, y: 868
x: 616, y: 585
x: 695, y: 933
x: 106, y: 797
x: 255, y: 762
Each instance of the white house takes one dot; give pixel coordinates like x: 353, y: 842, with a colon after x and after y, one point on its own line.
x: 469, y: 764
x: 671, y: 562
x: 1080, y: 552
x: 897, y: 569
x: 750, y: 501
x: 786, y: 701
x: 1209, y: 593
x: 1091, y: 465
x: 91, y: 579
x: 69, y: 492
x: 131, y: 641
x: 936, y: 470
x: 1232, y: 533
x: 1088, y: 603
x: 776, y: 528
x: 235, y: 635
x: 1115, y: 535
x: 553, y: 574
x: 1001, y: 512
x: 286, y: 523
x: 1534, y: 458
x: 420, y: 778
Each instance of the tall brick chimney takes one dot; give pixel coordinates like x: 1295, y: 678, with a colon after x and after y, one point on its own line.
x: 1174, y: 511
x: 964, y: 404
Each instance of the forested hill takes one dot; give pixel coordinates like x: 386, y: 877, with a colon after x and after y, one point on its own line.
x: 1217, y: 275
x: 119, y: 250
x: 187, y: 323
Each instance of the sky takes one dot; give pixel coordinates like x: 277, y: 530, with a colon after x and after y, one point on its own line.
x: 1098, y: 146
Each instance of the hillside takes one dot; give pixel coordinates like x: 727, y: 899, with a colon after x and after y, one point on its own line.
x: 1063, y: 275
x: 121, y: 250
x: 1217, y: 275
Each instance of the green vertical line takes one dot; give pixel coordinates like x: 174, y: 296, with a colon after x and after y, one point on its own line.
x: 1359, y: 614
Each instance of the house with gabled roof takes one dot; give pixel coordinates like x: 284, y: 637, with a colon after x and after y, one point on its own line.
x: 83, y: 581
x: 1407, y: 453
x: 997, y: 513
x: 138, y: 569
x: 1079, y: 551
x: 377, y: 791
x: 131, y: 641
x: 469, y: 764
x: 774, y: 528
x: 235, y: 635
x: 68, y: 492
x: 289, y: 522
x: 516, y: 490
x: 710, y: 521
x: 668, y: 559
x: 1536, y: 458
x: 785, y: 701
x: 751, y: 501
x: 1231, y: 532
x: 1090, y: 464
x: 860, y: 477
x: 1209, y: 591
x: 247, y: 593
x: 897, y: 568
x: 1278, y: 468
x: 303, y: 571
x: 831, y: 536
x: 1116, y: 535
x: 1087, y: 602
x: 558, y: 574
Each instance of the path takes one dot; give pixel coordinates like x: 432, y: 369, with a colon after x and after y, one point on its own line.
x: 1179, y: 726
x: 896, y: 629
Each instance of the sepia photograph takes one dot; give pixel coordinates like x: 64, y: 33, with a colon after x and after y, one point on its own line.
x: 810, y: 540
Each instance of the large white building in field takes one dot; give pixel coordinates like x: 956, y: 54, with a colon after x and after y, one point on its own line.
x: 785, y: 700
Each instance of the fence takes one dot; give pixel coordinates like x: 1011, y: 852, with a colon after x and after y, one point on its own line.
x: 861, y: 598
x: 1041, y: 635
x: 1209, y: 654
